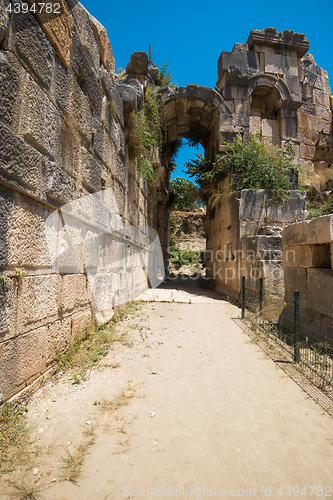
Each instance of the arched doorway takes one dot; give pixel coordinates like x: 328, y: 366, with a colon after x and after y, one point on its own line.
x: 191, y: 112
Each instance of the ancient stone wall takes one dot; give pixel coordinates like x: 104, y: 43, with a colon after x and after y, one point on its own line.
x: 273, y: 88
x: 308, y: 265
x: 244, y: 237
x: 62, y: 127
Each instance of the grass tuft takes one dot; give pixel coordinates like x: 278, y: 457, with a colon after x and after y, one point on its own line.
x: 15, y: 446
x: 92, y: 345
x: 73, y: 462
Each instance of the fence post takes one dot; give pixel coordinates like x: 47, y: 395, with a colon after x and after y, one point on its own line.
x: 261, y: 287
x: 243, y: 297
x: 296, y: 326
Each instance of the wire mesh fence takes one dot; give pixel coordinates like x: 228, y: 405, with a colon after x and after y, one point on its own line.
x: 303, y: 328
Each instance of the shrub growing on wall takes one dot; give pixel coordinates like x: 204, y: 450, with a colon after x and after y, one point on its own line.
x: 253, y: 166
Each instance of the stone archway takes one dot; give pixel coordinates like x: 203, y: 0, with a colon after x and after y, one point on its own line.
x: 190, y: 112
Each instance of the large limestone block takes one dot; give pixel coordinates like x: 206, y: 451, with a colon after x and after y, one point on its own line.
x: 307, y: 151
x: 86, y: 77
x: 20, y: 164
x: 295, y: 278
x: 104, y: 47
x: 270, y: 128
x: 68, y: 149
x: 320, y: 285
x: 28, y: 39
x: 81, y: 323
x: 307, y: 256
x: 315, y: 231
x: 59, y: 186
x: 262, y: 248
x: 255, y: 124
x: 254, y: 208
x: 22, y: 231
x: 40, y: 119
x: 37, y: 302
x: 12, y: 87
x: 91, y: 170
x: 321, y: 98
x: 75, y: 292
x: 4, y: 19
x: 58, y: 29
x: 22, y: 359
x: 8, y: 305
x: 58, y: 337
x: 86, y: 33
x: 131, y: 93
x: 77, y: 108
x: 27, y: 356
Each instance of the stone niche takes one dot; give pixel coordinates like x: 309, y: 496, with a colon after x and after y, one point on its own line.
x: 271, y: 87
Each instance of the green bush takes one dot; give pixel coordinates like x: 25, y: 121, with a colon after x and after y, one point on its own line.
x: 253, y: 166
x: 324, y: 206
x: 186, y: 257
x: 185, y: 194
x: 164, y: 78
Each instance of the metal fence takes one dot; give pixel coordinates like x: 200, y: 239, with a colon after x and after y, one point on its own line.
x: 303, y: 328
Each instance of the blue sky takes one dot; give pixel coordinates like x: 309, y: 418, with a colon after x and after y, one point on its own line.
x: 190, y: 35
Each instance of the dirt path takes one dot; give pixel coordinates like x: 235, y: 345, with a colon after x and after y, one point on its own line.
x: 201, y: 407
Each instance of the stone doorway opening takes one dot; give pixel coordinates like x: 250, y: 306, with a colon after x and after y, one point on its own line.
x: 191, y: 113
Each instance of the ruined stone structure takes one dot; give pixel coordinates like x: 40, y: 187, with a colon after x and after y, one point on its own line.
x: 63, y: 123
x: 272, y: 88
x: 62, y: 129
x: 308, y: 265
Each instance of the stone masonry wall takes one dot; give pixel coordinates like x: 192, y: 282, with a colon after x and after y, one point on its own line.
x: 62, y: 138
x: 244, y: 237
x: 272, y: 87
x: 308, y: 264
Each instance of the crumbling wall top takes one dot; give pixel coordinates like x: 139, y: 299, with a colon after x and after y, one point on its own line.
x: 283, y: 40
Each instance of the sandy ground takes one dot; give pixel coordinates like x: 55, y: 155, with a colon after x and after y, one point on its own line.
x: 211, y: 414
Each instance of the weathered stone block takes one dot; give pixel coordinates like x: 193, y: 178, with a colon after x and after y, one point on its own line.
x: 59, y: 185
x: 37, y: 302
x: 77, y: 108
x: 307, y: 152
x: 12, y: 85
x: 255, y: 124
x: 320, y: 285
x: 80, y: 323
x: 20, y: 164
x: 253, y: 207
x: 314, y: 231
x: 271, y: 128
x: 86, y: 76
x: 68, y: 149
x: 104, y: 46
x: 91, y: 170
x: 74, y: 292
x: 262, y: 248
x: 84, y: 29
x: 40, y: 120
x: 22, y: 231
x: 22, y: 359
x: 307, y: 256
x: 296, y: 278
x: 8, y: 304
x: 58, y: 29
x: 29, y: 40
x: 4, y: 19
x: 131, y: 93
